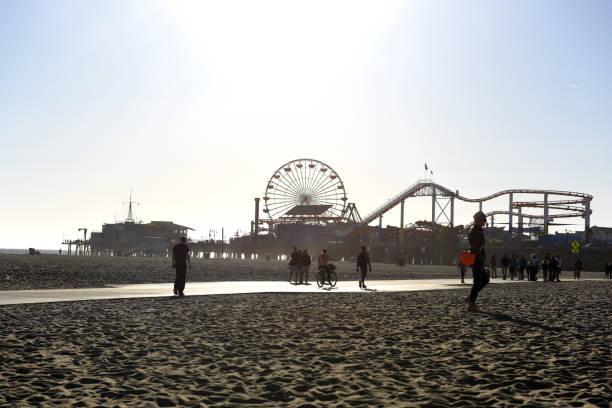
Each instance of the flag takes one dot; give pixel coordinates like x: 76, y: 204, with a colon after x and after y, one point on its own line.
x: 426, y: 167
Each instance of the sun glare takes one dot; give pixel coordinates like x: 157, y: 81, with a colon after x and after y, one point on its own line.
x: 273, y: 46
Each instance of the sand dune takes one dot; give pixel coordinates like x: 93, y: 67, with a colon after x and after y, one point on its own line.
x: 535, y: 345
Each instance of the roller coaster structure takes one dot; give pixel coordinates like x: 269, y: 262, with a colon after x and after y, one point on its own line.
x: 443, y: 198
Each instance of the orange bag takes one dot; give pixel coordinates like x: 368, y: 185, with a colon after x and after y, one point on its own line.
x: 467, y: 258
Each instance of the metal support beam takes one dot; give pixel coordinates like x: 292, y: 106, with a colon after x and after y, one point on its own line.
x: 492, y: 220
x: 545, y: 214
x: 510, y: 216
x: 480, y: 206
x: 520, y: 223
x: 452, y: 219
x: 256, y: 229
x: 433, y: 208
x: 402, y: 222
x: 587, y: 221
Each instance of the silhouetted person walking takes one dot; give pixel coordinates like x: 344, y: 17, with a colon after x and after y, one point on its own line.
x: 180, y: 260
x: 559, y: 268
x: 505, y: 261
x: 363, y: 263
x: 293, y: 263
x: 513, y: 266
x: 522, y: 264
x: 300, y: 266
x: 532, y: 268
x: 577, y: 268
x: 477, y: 247
x: 552, y: 269
x: 462, y: 269
x: 306, y: 261
x: 545, y: 266
x: 494, y: 266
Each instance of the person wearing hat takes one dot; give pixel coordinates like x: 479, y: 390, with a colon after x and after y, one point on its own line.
x: 477, y: 244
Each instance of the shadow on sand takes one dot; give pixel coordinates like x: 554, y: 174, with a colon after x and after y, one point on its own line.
x: 502, y: 317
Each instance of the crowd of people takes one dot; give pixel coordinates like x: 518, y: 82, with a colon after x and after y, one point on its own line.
x: 513, y: 266
x: 519, y: 267
x: 300, y: 261
x: 299, y: 266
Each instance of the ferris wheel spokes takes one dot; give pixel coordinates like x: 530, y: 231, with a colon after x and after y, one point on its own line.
x: 304, y: 182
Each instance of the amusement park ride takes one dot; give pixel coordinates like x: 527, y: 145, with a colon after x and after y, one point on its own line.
x: 310, y: 192
x: 305, y: 203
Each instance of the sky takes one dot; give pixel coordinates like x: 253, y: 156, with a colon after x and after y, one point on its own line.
x: 193, y: 105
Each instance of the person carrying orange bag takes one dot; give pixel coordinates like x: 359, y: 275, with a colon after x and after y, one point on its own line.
x: 477, y: 248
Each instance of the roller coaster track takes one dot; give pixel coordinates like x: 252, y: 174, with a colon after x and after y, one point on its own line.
x: 535, y: 217
x: 429, y: 188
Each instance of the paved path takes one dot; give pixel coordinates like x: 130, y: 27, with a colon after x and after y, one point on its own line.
x: 222, y: 288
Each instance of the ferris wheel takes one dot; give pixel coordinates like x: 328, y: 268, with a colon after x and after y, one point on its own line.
x: 304, y: 188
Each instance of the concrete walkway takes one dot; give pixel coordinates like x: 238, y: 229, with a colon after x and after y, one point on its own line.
x: 223, y: 288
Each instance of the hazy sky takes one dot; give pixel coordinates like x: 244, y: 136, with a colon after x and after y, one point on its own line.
x: 194, y: 105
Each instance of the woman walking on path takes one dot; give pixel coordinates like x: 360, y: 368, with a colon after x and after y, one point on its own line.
x: 477, y: 247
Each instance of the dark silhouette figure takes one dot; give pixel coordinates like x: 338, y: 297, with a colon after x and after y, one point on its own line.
x: 505, y: 262
x: 513, y: 266
x: 577, y: 268
x: 608, y: 271
x: 306, y: 261
x: 363, y: 263
x: 300, y: 266
x: 532, y: 268
x: 558, y: 268
x: 462, y: 268
x: 552, y: 269
x: 522, y: 264
x: 545, y: 266
x: 325, y: 264
x: 494, y: 266
x: 293, y: 263
x: 180, y: 260
x: 477, y: 247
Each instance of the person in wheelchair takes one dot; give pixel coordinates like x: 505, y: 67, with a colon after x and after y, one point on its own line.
x: 325, y: 264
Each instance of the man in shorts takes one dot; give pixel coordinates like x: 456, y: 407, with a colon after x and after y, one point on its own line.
x: 324, y: 262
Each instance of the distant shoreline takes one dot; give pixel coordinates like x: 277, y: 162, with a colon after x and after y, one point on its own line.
x: 24, y: 251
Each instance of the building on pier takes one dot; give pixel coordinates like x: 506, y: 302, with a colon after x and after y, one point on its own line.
x: 136, y: 238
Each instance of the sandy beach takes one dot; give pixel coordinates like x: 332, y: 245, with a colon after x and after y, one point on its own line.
x: 534, y: 345
x: 19, y: 272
